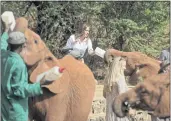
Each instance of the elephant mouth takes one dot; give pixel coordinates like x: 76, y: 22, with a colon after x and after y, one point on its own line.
x: 127, y: 107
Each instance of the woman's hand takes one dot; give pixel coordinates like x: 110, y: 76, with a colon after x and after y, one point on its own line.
x: 91, y: 52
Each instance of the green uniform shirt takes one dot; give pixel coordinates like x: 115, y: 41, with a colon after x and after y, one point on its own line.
x: 15, y: 89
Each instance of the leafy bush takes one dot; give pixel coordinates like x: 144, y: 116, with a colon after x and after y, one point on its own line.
x: 128, y: 26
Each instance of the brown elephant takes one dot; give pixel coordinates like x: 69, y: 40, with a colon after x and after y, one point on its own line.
x: 138, y: 65
x: 67, y: 99
x: 152, y: 95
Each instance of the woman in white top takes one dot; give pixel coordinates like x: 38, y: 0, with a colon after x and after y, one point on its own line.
x: 80, y: 42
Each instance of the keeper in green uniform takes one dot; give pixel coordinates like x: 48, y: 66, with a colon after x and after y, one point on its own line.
x: 15, y: 88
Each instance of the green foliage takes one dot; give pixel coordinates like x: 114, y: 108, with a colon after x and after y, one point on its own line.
x: 125, y: 25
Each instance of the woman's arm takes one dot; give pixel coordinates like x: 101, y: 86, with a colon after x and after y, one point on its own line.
x: 90, y: 48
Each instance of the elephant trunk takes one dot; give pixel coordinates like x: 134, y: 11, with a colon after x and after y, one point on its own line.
x: 108, y: 57
x: 118, y: 107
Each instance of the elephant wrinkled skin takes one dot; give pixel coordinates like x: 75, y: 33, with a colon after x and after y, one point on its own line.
x: 152, y: 95
x: 67, y: 99
x: 138, y: 65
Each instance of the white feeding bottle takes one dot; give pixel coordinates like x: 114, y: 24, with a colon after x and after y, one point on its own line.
x: 8, y: 18
x: 51, y: 75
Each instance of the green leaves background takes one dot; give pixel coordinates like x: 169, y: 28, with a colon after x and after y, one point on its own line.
x: 125, y: 25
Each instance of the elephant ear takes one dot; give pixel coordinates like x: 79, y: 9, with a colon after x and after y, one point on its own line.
x: 57, y: 86
x: 163, y: 108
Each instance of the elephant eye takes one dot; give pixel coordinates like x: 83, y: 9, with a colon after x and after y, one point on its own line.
x: 35, y: 41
